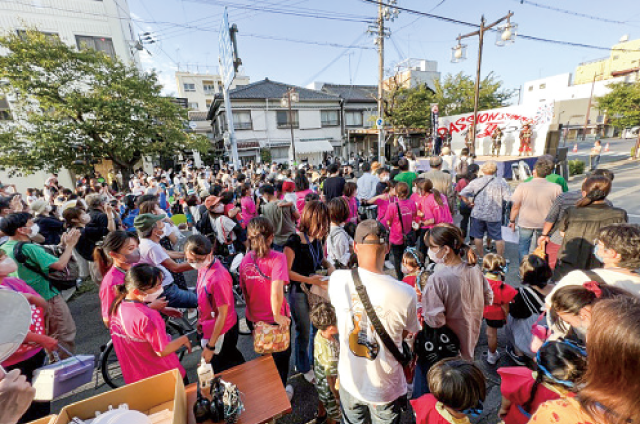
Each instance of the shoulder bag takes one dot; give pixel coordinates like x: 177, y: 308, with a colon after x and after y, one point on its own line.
x: 60, y: 280
x: 409, y: 239
x: 269, y: 338
x: 406, y: 358
x: 471, y: 205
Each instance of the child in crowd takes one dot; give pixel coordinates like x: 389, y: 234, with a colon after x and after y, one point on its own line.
x: 349, y: 193
x: 289, y: 196
x: 326, y: 353
x: 458, y: 389
x: 561, y: 364
x: 139, y: 334
x: 493, y: 266
x: 412, y: 263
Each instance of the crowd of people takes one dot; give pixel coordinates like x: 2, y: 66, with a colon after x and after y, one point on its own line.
x: 376, y: 280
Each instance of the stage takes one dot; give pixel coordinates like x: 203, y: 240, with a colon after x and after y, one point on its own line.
x: 504, y: 163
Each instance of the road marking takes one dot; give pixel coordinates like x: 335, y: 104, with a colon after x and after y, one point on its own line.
x: 623, y: 193
x: 633, y: 215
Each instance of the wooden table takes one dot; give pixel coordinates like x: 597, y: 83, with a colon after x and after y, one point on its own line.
x: 264, y: 397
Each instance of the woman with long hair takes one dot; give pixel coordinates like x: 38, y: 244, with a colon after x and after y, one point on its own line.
x: 305, y: 258
x: 114, y: 257
x: 610, y: 387
x: 217, y: 320
x: 581, y: 224
x: 399, y: 219
x: 301, y: 188
x: 455, y: 294
x: 139, y: 334
x: 263, y: 275
x: 432, y: 209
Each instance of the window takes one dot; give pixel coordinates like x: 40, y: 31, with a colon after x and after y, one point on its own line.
x: 543, y: 86
x: 531, y: 88
x: 283, y: 119
x: 5, y: 111
x: 242, y: 120
x: 209, y: 88
x: 193, y: 105
x: 189, y: 87
x: 330, y: 118
x: 369, y: 118
x: 50, y: 36
x: 353, y: 119
x: 101, y: 44
x: 616, y: 57
x: 208, y: 102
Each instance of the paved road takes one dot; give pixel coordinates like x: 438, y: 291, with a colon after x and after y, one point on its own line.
x: 92, y: 334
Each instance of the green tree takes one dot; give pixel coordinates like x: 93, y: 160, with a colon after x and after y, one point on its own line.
x: 71, y: 107
x: 410, y: 107
x: 622, y: 104
x: 455, y: 94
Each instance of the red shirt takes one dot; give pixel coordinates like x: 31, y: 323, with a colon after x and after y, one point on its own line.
x: 114, y: 277
x: 214, y: 289
x: 426, y: 409
x: 516, y: 388
x: 409, y: 213
x: 410, y: 279
x: 256, y: 277
x: 503, y: 294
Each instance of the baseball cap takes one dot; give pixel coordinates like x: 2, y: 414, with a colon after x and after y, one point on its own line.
x: 145, y: 221
x: 371, y: 227
x: 211, y: 201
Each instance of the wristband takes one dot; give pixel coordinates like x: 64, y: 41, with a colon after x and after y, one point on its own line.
x: 512, y: 221
x: 211, y: 348
x: 544, y: 235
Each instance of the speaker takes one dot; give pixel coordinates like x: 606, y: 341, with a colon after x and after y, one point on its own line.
x: 552, y: 142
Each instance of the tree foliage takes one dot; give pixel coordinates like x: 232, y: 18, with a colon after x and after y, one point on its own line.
x: 71, y: 107
x: 411, y: 107
x: 622, y: 104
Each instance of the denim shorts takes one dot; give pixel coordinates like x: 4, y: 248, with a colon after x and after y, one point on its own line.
x: 479, y: 228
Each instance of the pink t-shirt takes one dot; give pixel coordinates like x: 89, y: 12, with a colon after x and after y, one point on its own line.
x: 214, y: 289
x: 248, y: 207
x: 432, y: 210
x: 300, y: 198
x: 26, y: 350
x: 409, y: 214
x: 114, y: 277
x: 257, y: 288
x: 138, y: 343
x: 353, y: 209
x: 383, y: 205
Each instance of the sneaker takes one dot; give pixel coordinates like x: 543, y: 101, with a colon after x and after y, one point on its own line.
x: 310, y: 376
x: 289, y: 390
x: 388, y: 265
x: 518, y: 359
x: 492, y: 358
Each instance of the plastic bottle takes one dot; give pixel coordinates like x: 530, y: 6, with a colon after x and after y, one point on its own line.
x: 205, y: 375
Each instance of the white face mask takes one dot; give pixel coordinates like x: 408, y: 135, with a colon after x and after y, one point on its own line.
x: 219, y: 208
x: 85, y: 218
x: 7, y: 266
x: 150, y: 297
x: 162, y: 232
x: 404, y: 269
x: 384, y: 179
x: 200, y: 265
x: 35, y: 229
x: 433, y: 255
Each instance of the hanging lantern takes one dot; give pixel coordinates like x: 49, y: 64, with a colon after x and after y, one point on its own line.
x: 506, y: 34
x: 459, y: 53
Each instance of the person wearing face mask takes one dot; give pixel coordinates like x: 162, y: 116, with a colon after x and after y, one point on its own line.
x: 139, y: 334
x: 218, y: 320
x: 151, y: 229
x: 89, y: 236
x: 50, y: 227
x: 224, y: 233
x: 457, y: 292
x: 30, y: 355
x: 19, y: 227
x: 114, y: 257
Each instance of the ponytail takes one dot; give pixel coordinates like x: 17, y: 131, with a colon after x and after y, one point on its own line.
x: 102, y: 260
x: 597, y: 188
x: 426, y: 186
x: 451, y: 236
x: 534, y: 389
x: 259, y: 231
x: 121, y: 293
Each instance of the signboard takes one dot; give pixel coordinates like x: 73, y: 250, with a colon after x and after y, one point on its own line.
x: 225, y: 52
x: 510, y: 120
x: 379, y: 122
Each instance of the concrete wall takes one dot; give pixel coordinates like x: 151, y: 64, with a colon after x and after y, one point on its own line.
x: 623, y: 56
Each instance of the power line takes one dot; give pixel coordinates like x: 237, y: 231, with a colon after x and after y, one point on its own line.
x: 569, y: 12
x: 321, y: 71
x: 520, y: 35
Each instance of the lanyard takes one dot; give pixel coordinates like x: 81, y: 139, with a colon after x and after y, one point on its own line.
x: 204, y: 276
x: 315, y: 255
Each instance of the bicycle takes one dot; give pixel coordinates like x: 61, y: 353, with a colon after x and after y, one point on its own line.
x: 176, y: 327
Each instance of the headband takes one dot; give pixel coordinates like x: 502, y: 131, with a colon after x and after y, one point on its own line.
x: 412, y: 251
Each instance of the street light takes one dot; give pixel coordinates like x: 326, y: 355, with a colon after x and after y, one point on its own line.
x: 506, y: 35
x: 291, y: 96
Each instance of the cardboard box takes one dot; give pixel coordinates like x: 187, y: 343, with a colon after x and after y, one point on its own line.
x: 163, y: 391
x: 45, y: 420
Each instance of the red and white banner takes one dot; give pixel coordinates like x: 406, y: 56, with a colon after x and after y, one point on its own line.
x: 510, y: 120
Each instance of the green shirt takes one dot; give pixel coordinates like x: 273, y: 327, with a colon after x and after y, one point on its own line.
x: 37, y: 257
x: 554, y: 178
x: 407, y: 177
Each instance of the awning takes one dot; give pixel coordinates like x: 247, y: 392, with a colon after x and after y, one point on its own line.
x: 305, y: 147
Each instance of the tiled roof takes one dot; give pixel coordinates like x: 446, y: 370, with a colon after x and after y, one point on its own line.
x: 352, y: 93
x: 267, y: 89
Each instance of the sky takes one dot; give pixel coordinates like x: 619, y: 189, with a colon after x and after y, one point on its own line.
x: 339, y: 50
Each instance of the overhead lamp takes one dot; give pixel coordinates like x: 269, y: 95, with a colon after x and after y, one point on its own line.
x: 506, y: 34
x: 459, y: 53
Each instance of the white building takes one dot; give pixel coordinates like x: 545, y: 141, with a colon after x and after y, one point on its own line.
x: 200, y: 89
x: 261, y: 122
x: 104, y: 25
x: 411, y: 73
x: 560, y: 87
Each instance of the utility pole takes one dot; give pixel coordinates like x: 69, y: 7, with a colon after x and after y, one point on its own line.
x: 291, y: 97
x: 586, y: 120
x: 381, y: 143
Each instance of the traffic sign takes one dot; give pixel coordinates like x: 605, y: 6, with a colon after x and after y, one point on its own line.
x: 379, y: 122
x: 225, y: 47
x: 193, y: 125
